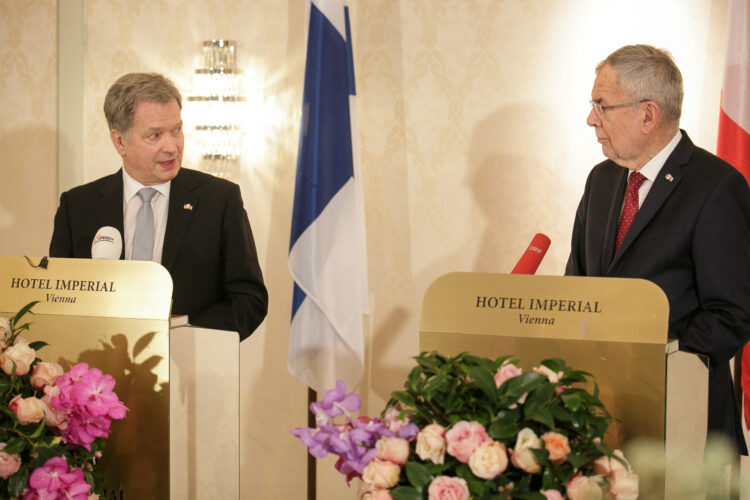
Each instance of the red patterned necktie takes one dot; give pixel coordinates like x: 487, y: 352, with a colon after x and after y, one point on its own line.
x: 630, y: 208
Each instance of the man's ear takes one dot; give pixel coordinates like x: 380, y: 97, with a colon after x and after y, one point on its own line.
x: 118, y: 139
x: 652, y: 116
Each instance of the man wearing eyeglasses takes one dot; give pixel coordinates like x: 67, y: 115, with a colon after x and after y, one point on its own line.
x: 667, y: 211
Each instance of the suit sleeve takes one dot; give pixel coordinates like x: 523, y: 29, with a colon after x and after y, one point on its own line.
x: 576, y: 265
x: 721, y: 256
x: 61, y: 244
x: 245, y: 301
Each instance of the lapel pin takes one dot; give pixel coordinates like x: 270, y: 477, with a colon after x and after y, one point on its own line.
x: 669, y: 177
x: 187, y: 206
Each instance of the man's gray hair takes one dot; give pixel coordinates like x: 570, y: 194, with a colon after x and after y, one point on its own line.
x: 129, y: 90
x: 645, y: 72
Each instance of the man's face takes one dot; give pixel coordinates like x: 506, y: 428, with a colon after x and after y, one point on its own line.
x: 151, y: 149
x: 618, y: 130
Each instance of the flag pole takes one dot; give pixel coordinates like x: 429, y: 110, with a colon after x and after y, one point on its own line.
x: 312, y: 486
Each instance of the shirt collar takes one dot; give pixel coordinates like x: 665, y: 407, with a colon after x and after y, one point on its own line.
x: 131, y: 186
x: 651, y: 169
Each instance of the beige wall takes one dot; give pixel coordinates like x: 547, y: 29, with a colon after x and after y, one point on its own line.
x: 473, y: 135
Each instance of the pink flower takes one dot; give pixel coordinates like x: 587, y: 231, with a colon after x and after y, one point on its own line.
x: 506, y: 371
x: 552, y: 495
x: 582, y: 487
x: 463, y: 438
x: 605, y: 465
x: 9, y: 462
x: 45, y: 373
x: 86, y: 396
x: 392, y: 420
x: 431, y: 443
x: 21, y: 354
x: 56, y: 480
x: 381, y: 474
x: 368, y: 492
x: 623, y: 485
x: 551, y: 376
x: 557, y: 445
x: 28, y: 410
x: 393, y: 449
x: 489, y: 460
x: 448, y: 488
x: 522, y: 457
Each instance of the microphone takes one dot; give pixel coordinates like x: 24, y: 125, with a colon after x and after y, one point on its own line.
x: 107, y: 244
x: 532, y: 257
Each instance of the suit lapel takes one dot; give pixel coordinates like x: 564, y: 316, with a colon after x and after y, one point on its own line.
x: 665, y: 183
x: 109, y: 211
x: 182, y: 202
x: 616, y: 187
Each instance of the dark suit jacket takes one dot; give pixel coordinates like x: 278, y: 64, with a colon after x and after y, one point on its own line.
x: 208, y: 250
x: 691, y: 237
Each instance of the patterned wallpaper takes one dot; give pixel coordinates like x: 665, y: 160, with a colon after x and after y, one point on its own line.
x: 473, y: 138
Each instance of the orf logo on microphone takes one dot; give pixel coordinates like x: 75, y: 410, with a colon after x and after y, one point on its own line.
x: 103, y: 238
x: 107, y: 244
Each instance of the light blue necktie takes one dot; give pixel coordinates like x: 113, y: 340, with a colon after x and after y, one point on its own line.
x: 143, y: 240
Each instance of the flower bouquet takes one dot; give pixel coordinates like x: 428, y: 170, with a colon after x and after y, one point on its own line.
x: 52, y: 424
x: 470, y: 427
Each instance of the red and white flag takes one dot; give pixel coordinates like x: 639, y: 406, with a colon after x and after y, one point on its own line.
x: 734, y: 124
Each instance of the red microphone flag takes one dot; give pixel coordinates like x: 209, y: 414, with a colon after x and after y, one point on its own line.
x: 532, y: 257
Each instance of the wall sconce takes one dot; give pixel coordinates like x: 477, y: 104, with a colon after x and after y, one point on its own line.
x: 216, y: 103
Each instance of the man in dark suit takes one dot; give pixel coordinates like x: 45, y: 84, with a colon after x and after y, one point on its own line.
x: 198, y: 227
x: 667, y: 211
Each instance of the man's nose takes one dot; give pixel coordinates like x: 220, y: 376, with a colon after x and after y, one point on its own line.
x: 593, y: 119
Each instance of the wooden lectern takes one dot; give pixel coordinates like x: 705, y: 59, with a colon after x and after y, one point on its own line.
x: 180, y: 438
x: 615, y: 329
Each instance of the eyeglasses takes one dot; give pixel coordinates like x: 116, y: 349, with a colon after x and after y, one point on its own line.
x: 599, y: 109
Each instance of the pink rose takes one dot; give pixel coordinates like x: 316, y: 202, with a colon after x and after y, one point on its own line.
x: 463, y: 439
x: 368, y: 492
x: 605, y: 465
x: 431, y: 443
x: 448, y: 488
x: 53, y: 416
x: 522, y: 457
x: 582, y: 487
x: 551, y: 376
x: 393, y: 449
x: 392, y: 420
x: 557, y: 445
x: 9, y: 462
x: 21, y: 354
x: 506, y: 371
x: 381, y: 474
x: 28, y: 410
x: 623, y: 485
x: 489, y: 460
x: 552, y: 495
x: 45, y: 373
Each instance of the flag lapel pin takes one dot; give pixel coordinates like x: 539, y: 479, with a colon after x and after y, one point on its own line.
x: 187, y: 206
x: 669, y: 177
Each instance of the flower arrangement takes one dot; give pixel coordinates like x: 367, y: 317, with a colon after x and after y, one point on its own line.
x: 52, y: 424
x: 470, y: 427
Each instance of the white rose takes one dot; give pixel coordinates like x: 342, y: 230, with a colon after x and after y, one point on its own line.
x: 489, y: 460
x: 431, y: 443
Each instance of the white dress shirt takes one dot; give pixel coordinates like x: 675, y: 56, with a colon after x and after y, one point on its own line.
x: 131, y: 203
x: 652, y: 167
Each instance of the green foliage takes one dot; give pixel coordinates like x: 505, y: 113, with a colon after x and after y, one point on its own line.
x: 445, y: 390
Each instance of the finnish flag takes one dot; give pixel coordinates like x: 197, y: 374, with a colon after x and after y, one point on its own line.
x: 327, y: 256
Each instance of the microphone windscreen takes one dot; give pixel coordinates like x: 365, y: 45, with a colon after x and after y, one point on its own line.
x: 107, y: 244
x: 532, y: 257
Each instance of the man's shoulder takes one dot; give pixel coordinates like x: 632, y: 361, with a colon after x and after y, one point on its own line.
x: 103, y: 184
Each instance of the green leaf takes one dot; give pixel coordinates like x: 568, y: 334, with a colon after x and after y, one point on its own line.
x: 531, y: 495
x: 435, y: 385
x: 484, y: 381
x: 572, y: 401
x: 15, y: 446
x: 502, y: 431
x: 541, y: 415
x: 405, y: 493
x: 4, y: 383
x: 39, y: 429
x: 418, y: 475
x: 21, y: 313
x: 17, y: 482
x: 404, y: 398
x: 577, y: 459
x: 38, y: 344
